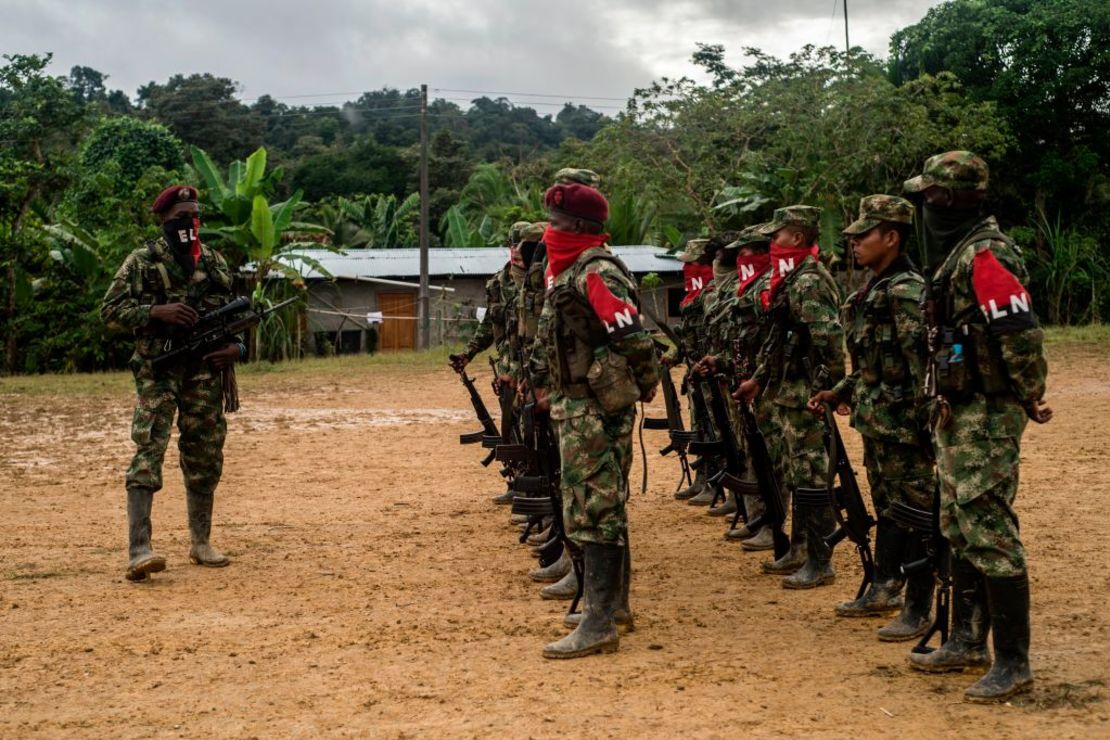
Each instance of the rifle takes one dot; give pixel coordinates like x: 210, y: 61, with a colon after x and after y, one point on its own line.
x: 674, y: 425
x: 489, y: 430
x: 688, y: 442
x: 937, y: 558
x: 214, y: 330
x: 767, y: 483
x: 506, y: 400
x: 855, y: 521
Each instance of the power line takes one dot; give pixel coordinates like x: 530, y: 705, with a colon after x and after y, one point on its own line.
x: 526, y: 95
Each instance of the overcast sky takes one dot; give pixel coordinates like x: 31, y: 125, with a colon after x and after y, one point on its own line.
x: 573, y: 48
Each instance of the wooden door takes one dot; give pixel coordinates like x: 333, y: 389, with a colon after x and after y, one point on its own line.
x: 398, y: 329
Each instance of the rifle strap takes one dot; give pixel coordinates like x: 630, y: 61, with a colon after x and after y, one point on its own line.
x: 643, y: 453
x: 230, y: 389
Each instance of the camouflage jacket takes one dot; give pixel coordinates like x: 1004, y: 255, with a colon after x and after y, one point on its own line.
x: 150, y: 276
x: 749, y: 327
x: 805, y: 334
x: 980, y: 286
x: 691, y: 325
x: 610, y: 292
x: 492, y: 330
x: 718, y: 312
x: 885, y: 332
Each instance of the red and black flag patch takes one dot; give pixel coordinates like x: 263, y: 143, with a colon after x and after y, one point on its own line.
x: 1002, y: 298
x: 619, y: 316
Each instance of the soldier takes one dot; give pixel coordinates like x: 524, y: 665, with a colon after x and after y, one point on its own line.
x: 161, y: 289
x: 697, y: 275
x: 885, y: 390
x: 988, y: 370
x: 805, y: 334
x: 497, y: 328
x: 592, y: 363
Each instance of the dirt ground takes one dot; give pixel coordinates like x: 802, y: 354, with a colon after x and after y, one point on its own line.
x: 375, y: 590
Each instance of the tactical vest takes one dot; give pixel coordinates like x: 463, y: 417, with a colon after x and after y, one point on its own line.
x: 967, y: 359
x: 577, y: 330
x: 495, y: 307
x: 792, y: 353
x: 206, y: 290
x: 874, y: 344
x: 752, y: 327
x: 531, y: 298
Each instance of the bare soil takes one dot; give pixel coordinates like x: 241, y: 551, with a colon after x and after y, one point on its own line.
x: 375, y: 590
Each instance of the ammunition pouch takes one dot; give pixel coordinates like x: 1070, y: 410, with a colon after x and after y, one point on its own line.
x: 967, y: 361
x: 612, y: 382
x: 909, y: 517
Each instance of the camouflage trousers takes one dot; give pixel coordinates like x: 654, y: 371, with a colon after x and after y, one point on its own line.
x: 979, y: 482
x: 805, y: 461
x: 898, y: 472
x: 196, y: 395
x: 596, y: 456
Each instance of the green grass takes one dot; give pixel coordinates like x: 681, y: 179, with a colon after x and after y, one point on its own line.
x: 325, y: 368
x: 1089, y: 334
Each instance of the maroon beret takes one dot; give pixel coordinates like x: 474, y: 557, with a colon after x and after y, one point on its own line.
x: 173, y: 195
x: 580, y: 201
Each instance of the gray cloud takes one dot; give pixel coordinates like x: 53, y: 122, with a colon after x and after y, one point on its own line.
x: 575, y: 47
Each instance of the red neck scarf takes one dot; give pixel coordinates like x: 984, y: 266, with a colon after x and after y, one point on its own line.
x: 785, y: 260
x: 564, y: 247
x: 750, y: 268
x: 196, y: 242
x: 695, y: 278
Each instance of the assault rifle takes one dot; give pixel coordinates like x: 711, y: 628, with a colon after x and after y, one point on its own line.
x: 855, y: 521
x: 774, y: 514
x: 937, y: 558
x: 506, y: 399
x: 214, y: 330
x: 680, y: 439
x: 489, y: 432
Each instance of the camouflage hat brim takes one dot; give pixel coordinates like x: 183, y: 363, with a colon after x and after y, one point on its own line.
x: 771, y: 227
x: 917, y: 184
x: 683, y: 257
x: 861, y: 226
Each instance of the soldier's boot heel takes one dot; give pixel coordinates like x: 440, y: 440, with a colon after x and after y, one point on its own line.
x: 693, y: 489
x: 562, y: 590
x: 798, y: 553
x: 201, y: 551
x: 597, y: 630
x: 914, y: 619
x: 726, y: 508
x: 504, y: 499
x: 817, y: 570
x: 966, y: 647
x: 142, y: 560
x: 1010, y: 674
x: 883, y: 594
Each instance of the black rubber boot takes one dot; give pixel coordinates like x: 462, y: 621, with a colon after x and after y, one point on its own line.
x: 504, y: 499
x: 562, y: 590
x: 623, y: 613
x: 142, y: 560
x: 597, y: 632
x: 1010, y: 673
x: 705, y: 496
x: 541, y: 537
x: 726, y: 508
x: 817, y: 570
x: 553, y: 572
x: 693, y: 489
x: 200, y: 527
x: 914, y: 619
x: 966, y: 646
x: 883, y: 594
x: 796, y: 556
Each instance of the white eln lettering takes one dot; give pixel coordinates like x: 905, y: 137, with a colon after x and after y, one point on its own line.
x: 1019, y: 303
x: 746, y: 271
x: 786, y: 265
x: 996, y: 312
x: 697, y: 283
x: 183, y: 235
x: 550, y: 282
x: 624, y: 318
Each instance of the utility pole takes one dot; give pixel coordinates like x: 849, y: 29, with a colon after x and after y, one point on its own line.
x: 424, y: 309
x: 847, y: 48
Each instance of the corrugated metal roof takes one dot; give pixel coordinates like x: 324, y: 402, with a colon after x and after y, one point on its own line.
x: 448, y: 262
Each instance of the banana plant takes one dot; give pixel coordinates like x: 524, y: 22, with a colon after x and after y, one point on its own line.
x: 458, y: 232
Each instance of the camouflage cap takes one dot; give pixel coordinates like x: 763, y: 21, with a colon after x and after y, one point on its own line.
x: 874, y: 209
x: 751, y: 235
x: 694, y: 250
x: 533, y: 232
x: 516, y: 230
x: 799, y: 215
x: 569, y: 175
x: 957, y: 170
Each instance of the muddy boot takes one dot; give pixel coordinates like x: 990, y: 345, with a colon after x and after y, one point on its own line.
x: 726, y: 508
x: 562, y: 590
x: 693, y: 489
x: 597, y: 631
x: 553, y: 572
x: 505, y: 499
x: 914, y: 620
x: 763, y: 540
x: 1008, y: 599
x: 971, y: 619
x: 200, y: 526
x: 705, y: 496
x: 540, y: 538
x: 796, y: 556
x: 622, y: 615
x: 820, y: 522
x: 883, y: 594
x: 142, y: 560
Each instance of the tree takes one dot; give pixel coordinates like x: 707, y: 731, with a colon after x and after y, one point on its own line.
x: 365, y: 167
x: 202, y: 110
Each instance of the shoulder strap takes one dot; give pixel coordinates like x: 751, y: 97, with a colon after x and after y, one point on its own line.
x: 156, y: 258
x: 595, y: 254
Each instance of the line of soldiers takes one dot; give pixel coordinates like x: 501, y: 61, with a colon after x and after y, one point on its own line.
x: 946, y: 368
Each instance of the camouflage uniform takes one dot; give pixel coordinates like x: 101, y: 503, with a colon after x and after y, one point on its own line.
x: 989, y: 371
x: 501, y: 290
x: 885, y: 332
x: 805, y: 334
